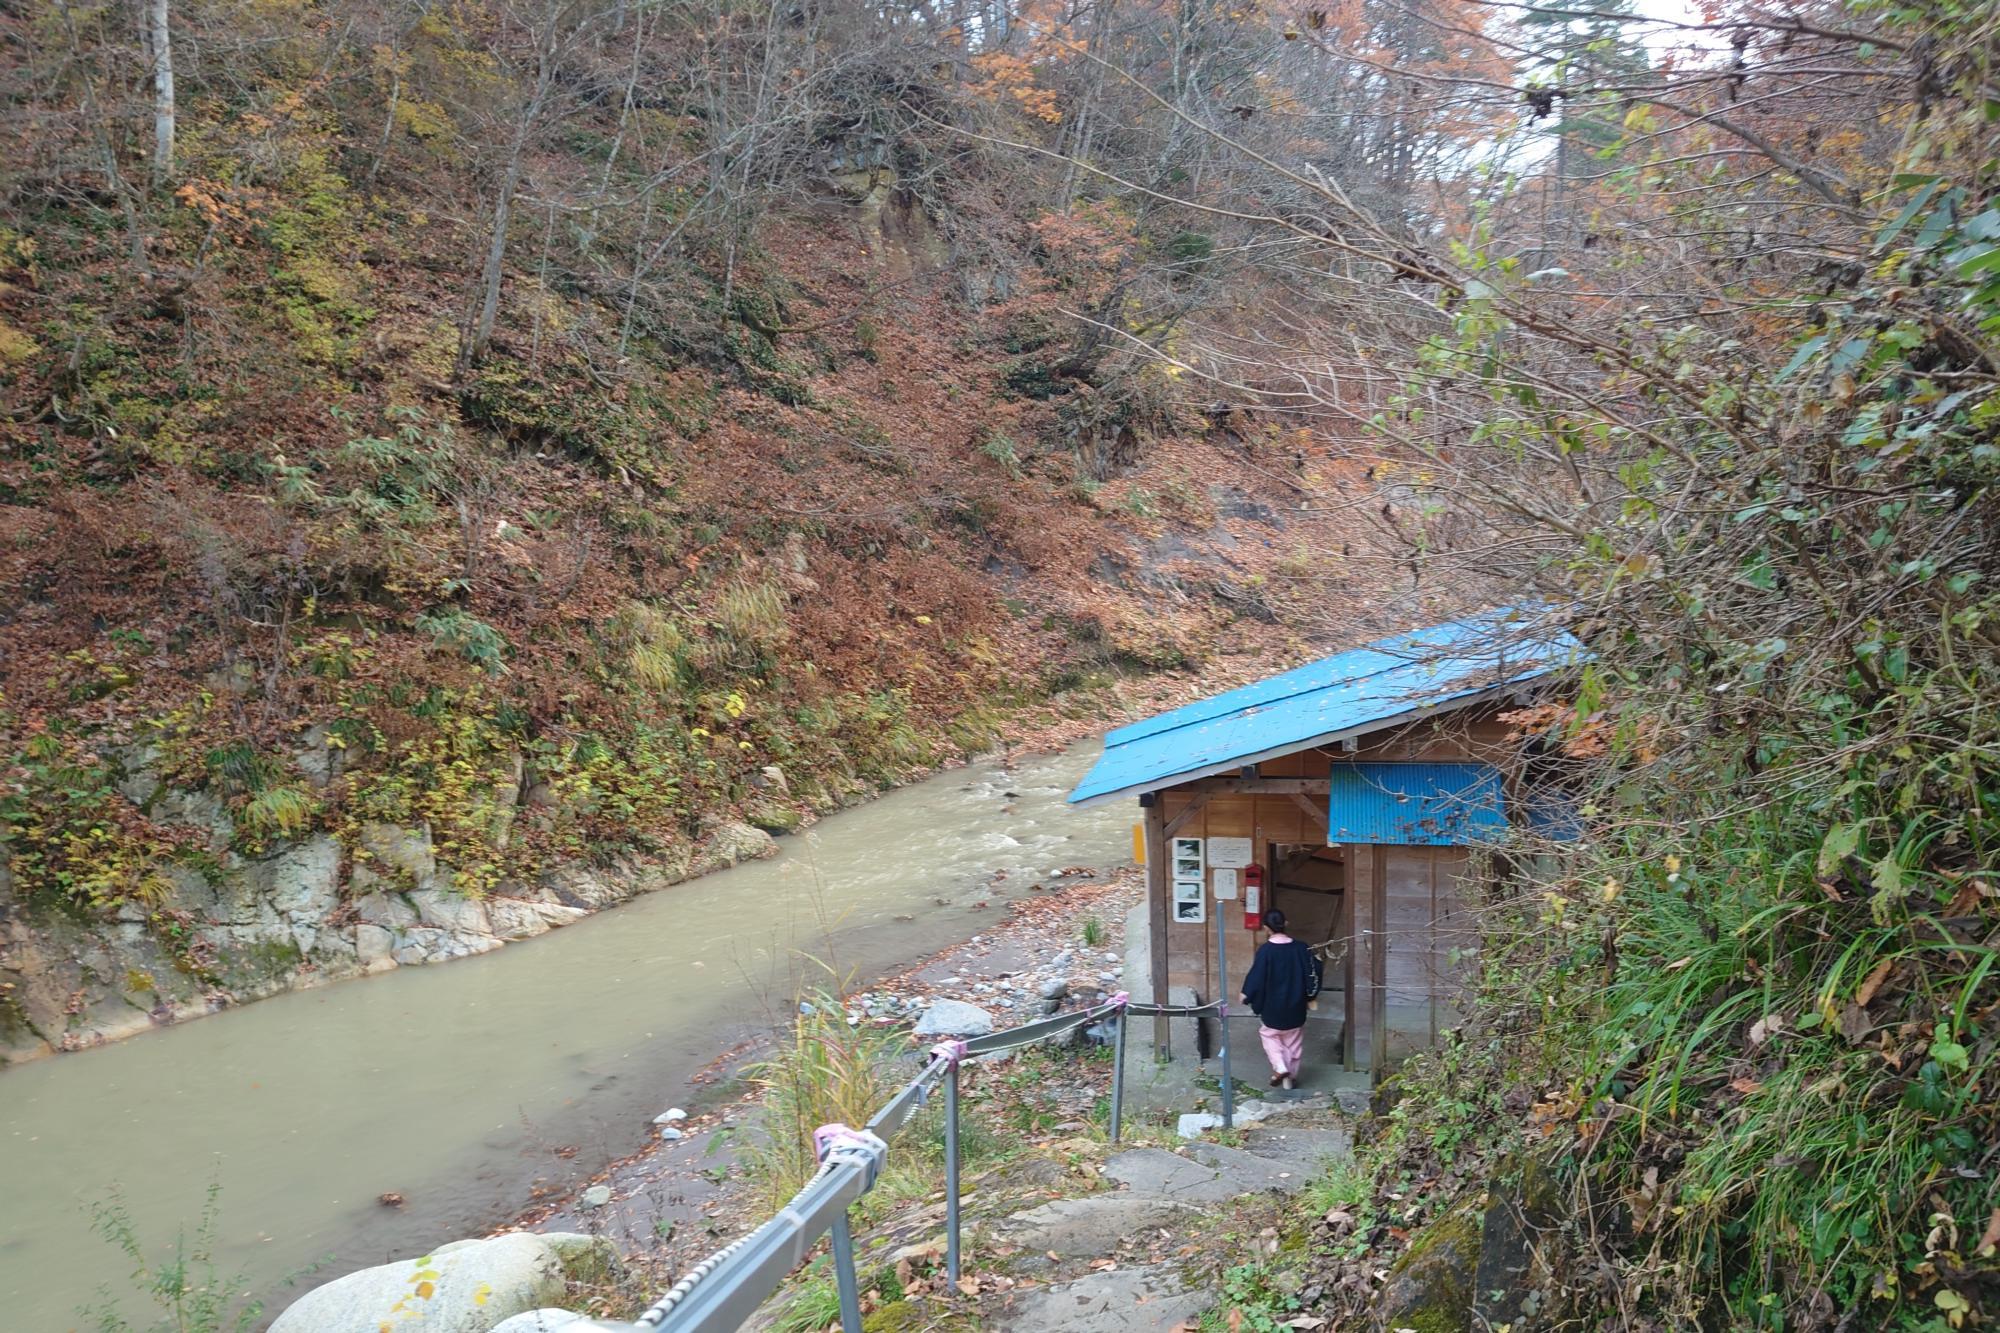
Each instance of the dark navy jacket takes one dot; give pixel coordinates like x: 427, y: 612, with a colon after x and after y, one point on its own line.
x: 1276, y: 987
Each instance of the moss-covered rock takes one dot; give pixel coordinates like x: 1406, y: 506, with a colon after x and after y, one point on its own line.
x: 774, y: 816
x: 1523, y: 1208
x: 1430, y: 1288
x: 896, y: 1317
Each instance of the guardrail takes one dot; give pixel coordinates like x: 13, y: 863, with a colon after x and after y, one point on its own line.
x: 724, y: 1289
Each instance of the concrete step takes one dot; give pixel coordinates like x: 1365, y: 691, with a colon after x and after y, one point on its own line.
x: 1091, y: 1225
x: 1303, y: 1147
x: 1125, y: 1300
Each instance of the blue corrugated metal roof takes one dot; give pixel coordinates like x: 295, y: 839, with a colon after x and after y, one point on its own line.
x: 1347, y: 694
x: 1415, y: 805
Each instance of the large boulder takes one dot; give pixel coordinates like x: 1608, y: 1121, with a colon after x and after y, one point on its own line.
x: 538, y: 1321
x: 1430, y: 1287
x: 525, y: 918
x: 1524, y: 1213
x: 732, y: 843
x: 954, y: 1018
x: 452, y: 912
x: 469, y: 1286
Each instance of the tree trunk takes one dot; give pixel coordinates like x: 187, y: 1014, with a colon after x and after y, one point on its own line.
x: 473, y: 346
x: 481, y: 333
x: 159, y: 44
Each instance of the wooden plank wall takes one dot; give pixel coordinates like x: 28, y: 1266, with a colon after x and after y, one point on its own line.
x: 1418, y: 904
x: 1262, y: 819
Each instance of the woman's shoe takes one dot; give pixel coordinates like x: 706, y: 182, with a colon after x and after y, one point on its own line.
x: 1290, y: 1083
x: 1277, y: 1078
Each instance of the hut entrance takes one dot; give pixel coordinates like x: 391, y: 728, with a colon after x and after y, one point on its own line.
x: 1309, y: 884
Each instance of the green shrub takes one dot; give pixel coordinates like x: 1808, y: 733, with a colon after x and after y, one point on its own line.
x: 190, y: 1293
x: 460, y: 631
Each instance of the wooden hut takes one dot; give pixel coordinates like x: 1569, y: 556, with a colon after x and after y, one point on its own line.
x: 1356, y: 793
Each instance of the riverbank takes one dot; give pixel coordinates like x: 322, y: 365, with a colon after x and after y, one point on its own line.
x: 475, y: 1090
x: 308, y: 914
x: 687, y: 1192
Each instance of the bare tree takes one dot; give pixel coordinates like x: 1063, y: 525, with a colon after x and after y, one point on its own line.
x: 156, y: 40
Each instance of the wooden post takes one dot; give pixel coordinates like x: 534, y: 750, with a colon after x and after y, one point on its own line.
x: 1159, y: 891
x: 1353, y: 877
x: 1378, y: 961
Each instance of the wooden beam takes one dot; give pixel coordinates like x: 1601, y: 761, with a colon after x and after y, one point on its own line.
x: 1158, y: 878
x: 1180, y: 821
x: 1315, y: 812
x: 1259, y: 786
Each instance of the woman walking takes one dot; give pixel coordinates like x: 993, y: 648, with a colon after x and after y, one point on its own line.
x: 1282, y: 983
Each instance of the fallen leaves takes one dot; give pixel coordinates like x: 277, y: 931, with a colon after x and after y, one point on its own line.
x: 1874, y: 982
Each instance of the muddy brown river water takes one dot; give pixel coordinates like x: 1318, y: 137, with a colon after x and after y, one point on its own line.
x: 455, y: 1085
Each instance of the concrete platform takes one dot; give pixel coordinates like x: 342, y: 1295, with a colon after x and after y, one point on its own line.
x: 1154, y: 1088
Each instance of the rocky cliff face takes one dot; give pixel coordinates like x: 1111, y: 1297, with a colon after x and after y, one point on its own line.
x: 310, y: 912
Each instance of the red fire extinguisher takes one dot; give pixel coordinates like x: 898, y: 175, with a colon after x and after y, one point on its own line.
x: 1253, y: 897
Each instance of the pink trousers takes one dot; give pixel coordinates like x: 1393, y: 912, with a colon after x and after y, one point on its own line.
x: 1283, y: 1047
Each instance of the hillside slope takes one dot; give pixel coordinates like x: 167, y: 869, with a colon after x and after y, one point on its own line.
x: 326, y: 648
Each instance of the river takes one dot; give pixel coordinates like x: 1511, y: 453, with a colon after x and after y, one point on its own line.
x: 455, y: 1085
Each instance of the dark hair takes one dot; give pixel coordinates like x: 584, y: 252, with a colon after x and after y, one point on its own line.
x: 1274, y: 920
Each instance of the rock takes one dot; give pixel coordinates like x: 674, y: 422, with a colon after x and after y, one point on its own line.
x: 387, y: 910
x: 203, y: 809
x: 1124, y: 1300
x: 577, y: 887
x: 516, y: 918
x: 538, y: 1321
x: 732, y: 843
x: 318, y: 760
x: 1513, y: 1277
x: 396, y: 851
x: 1430, y: 1287
x: 954, y: 1018
x: 1193, y: 1124
x: 668, y: 1134
x: 465, y: 1287
x: 669, y: 1116
x: 1055, y: 988
x: 774, y: 817
x: 373, y: 945
x: 302, y: 883
x: 596, y: 1196
x: 1083, y: 1226
x: 451, y: 911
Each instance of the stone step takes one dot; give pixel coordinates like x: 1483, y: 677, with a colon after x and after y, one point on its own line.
x: 1166, y: 1175
x: 1091, y: 1225
x: 1302, y: 1148
x: 1154, y: 1299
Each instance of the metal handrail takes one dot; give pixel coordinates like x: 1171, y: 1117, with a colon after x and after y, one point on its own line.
x: 725, y: 1289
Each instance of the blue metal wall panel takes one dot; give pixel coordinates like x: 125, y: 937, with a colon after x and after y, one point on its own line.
x: 1388, y: 680
x: 1415, y: 805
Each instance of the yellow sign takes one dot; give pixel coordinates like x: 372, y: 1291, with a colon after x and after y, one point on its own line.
x: 1139, y: 843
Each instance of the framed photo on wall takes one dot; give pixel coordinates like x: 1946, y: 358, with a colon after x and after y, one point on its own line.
x: 1187, y: 858
x: 1188, y: 904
